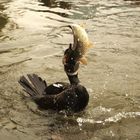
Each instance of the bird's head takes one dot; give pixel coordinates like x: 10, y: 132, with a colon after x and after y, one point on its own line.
x: 75, y: 54
x: 71, y: 65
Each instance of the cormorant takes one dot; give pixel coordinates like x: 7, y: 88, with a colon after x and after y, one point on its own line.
x: 62, y: 96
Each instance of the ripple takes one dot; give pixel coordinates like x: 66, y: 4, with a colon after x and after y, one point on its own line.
x: 123, y: 115
x: 108, y: 121
x: 33, y: 42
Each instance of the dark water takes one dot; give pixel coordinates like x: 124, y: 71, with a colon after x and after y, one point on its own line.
x: 31, y: 41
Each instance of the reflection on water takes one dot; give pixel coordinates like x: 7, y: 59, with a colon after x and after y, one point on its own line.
x: 55, y: 3
x: 3, y: 22
x: 133, y: 2
x: 31, y: 41
x: 3, y: 18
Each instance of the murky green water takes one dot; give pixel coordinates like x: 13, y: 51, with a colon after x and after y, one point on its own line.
x: 32, y: 42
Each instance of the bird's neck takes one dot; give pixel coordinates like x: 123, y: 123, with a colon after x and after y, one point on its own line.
x: 74, y: 80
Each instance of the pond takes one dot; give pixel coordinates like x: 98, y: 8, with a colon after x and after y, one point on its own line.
x: 31, y: 41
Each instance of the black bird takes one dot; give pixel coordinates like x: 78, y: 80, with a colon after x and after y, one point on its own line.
x: 61, y: 96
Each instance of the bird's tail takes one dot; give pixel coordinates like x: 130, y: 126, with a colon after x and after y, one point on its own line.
x: 34, y: 85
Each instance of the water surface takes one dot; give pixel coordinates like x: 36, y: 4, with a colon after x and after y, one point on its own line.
x: 31, y: 41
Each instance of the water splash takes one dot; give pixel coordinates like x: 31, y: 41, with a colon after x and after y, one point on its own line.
x: 114, y: 119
